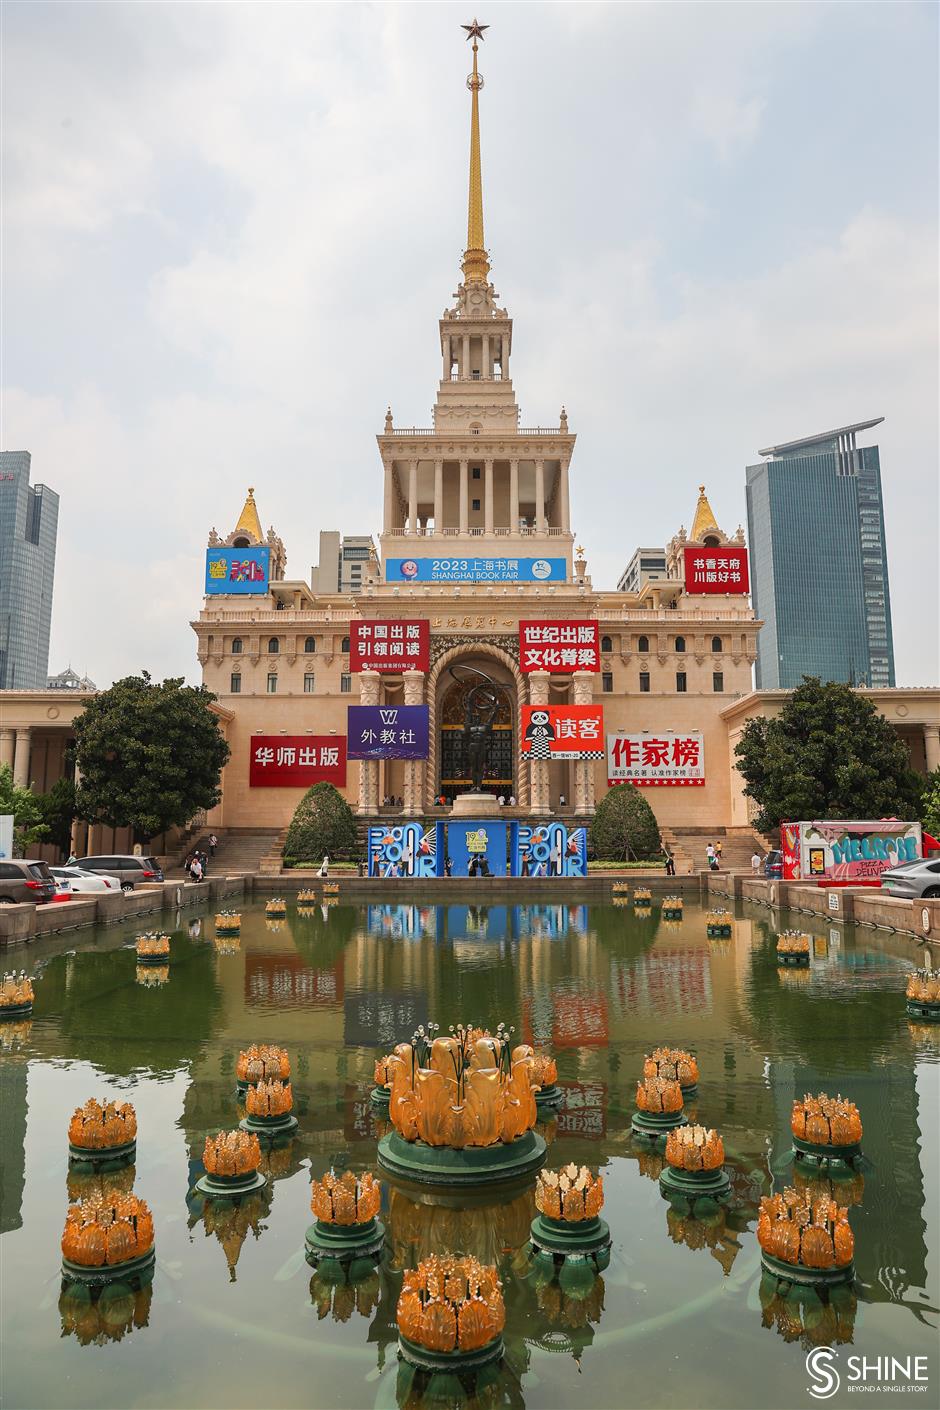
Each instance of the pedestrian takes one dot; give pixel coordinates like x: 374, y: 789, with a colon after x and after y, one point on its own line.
x: 755, y: 863
x: 670, y: 862
x: 324, y: 866
x: 710, y: 853
x: 512, y: 800
x: 71, y: 860
x: 448, y: 866
x: 524, y: 863
x: 502, y: 800
x: 213, y: 843
x: 484, y: 867
x: 361, y: 867
x: 195, y: 870
x: 718, y: 849
x: 204, y: 863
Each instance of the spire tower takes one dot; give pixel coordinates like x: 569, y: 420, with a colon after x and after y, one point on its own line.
x: 475, y: 265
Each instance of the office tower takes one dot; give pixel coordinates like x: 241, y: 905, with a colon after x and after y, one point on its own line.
x: 29, y: 516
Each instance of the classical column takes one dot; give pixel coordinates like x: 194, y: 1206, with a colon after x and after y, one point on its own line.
x: 540, y: 496
x: 564, y: 507
x: 412, y: 496
x: 514, y: 496
x: 464, y: 499
x: 485, y: 355
x: 438, y: 496
x: 539, y: 804
x: 584, y: 799
x: 21, y: 758
x: 488, y: 497
x: 465, y: 362
x: 370, y: 683
x: 504, y: 356
x: 388, y: 523
x: 446, y: 352
x: 932, y: 747
x: 414, y: 768
x: 7, y: 737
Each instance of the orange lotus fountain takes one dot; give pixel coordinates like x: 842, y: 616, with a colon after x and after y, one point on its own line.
x: 793, y: 948
x: 269, y: 1105
x: 16, y: 996
x: 451, y: 1315
x: 568, y: 1223
x: 673, y: 1065
x: 694, y: 1168
x: 826, y: 1130
x: 346, y: 1226
x: 106, y: 1237
x: 103, y: 1135
x: 805, y: 1242
x: 261, y: 1062
x: 153, y: 948
x: 659, y: 1108
x: 922, y: 995
x: 231, y: 1160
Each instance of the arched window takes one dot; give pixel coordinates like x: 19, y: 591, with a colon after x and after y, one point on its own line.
x: 310, y: 644
x: 274, y: 646
x: 236, y: 646
x: 680, y: 645
x: 606, y: 644
x: 716, y: 645
x: 643, y: 644
x: 345, y: 644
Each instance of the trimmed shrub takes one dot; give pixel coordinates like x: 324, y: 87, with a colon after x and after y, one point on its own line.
x: 322, y: 824
x: 624, y: 827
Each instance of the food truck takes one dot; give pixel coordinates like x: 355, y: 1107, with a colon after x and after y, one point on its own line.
x: 839, y: 853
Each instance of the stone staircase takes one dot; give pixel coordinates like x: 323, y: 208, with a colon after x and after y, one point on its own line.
x: 687, y: 846
x: 240, y: 850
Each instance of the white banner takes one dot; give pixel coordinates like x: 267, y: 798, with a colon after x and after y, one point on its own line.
x: 652, y: 757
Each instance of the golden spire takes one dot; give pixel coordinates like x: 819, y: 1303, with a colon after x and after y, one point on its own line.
x: 475, y: 266
x: 704, y: 517
x: 248, y: 521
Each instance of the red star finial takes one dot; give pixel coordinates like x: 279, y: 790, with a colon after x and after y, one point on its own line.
x: 475, y: 29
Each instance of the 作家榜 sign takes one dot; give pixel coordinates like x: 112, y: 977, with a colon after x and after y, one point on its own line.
x: 647, y: 758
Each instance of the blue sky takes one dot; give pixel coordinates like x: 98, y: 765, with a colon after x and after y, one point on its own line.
x: 230, y: 231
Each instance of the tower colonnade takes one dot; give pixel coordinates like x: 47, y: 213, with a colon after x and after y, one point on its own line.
x: 476, y: 494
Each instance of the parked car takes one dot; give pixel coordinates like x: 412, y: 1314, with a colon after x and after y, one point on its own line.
x: 63, y: 892
x: 82, y: 883
x: 25, y: 881
x: 128, y: 869
x: 773, y: 865
x: 915, y: 880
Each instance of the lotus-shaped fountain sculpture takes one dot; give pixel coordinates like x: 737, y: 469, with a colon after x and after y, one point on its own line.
x: 262, y: 1062
x: 103, y: 1134
x: 231, y: 1160
x: 346, y: 1226
x: 451, y: 1314
x: 659, y: 1108
x: 673, y: 1065
x: 804, y: 1242
x: 793, y: 947
x: 922, y: 995
x: 16, y: 995
x: 826, y: 1130
x: 569, y: 1202
x: 107, y: 1236
x: 694, y: 1168
x: 153, y: 948
x: 269, y: 1105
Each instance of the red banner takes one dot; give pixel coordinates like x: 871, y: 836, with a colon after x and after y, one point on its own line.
x: 286, y: 981
x: 580, y: 1021
x: 563, y: 731
x: 559, y: 646
x: 297, y: 760
x: 721, y: 569
x: 645, y: 759
x: 390, y: 646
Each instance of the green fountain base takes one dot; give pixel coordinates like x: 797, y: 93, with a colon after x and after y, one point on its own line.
x: 789, y: 960
x: 695, y: 1184
x: 343, y: 1242
x: 919, y: 1008
x: 131, y: 1268
x: 15, y: 1010
x: 809, y: 1153
x: 549, y: 1096
x: 672, y: 913
x: 154, y: 959
x: 800, y: 1276
x: 651, y: 1125
x: 458, y: 1362
x: 381, y: 1097
x: 269, y: 1128
x: 473, y: 1165
x: 230, y: 1186
x: 569, y: 1237
x: 102, y: 1158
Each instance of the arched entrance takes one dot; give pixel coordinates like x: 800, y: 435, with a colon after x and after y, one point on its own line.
x: 500, y: 666
x: 453, y: 767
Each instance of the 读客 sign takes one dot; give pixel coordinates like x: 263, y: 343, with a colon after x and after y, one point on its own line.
x: 237, y: 571
x: 563, y: 731
x: 389, y: 646
x: 296, y: 760
x: 559, y: 646
x: 721, y: 569
x: 387, y: 731
x: 649, y: 758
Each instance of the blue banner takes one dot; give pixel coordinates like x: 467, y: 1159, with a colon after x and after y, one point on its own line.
x: 477, y: 848
x: 548, y: 849
x: 387, y: 732
x: 237, y: 570
x: 475, y: 570
x: 403, y: 850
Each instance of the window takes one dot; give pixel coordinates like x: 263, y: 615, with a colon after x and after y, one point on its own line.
x: 235, y: 683
x: 718, y: 681
x: 607, y: 682
x: 606, y: 644
x: 310, y: 644
x: 309, y: 683
x: 345, y: 683
x: 344, y: 645
x: 272, y: 684
x: 475, y: 472
x: 476, y: 504
x: 274, y: 645
x: 680, y: 645
x: 680, y: 682
x: 643, y: 645
x: 236, y: 646
x: 644, y: 682
x: 717, y: 647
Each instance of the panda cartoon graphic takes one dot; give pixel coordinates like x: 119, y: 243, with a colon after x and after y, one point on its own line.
x: 540, y: 732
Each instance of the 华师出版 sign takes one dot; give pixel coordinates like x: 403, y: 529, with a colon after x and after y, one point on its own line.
x: 296, y: 760
x: 475, y: 570
x: 237, y: 570
x: 387, y: 731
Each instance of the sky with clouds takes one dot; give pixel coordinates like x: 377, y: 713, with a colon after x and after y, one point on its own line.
x: 230, y: 231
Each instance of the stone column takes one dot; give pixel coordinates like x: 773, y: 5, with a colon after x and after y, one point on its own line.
x: 932, y: 747
x: 21, y: 758
x: 539, y: 804
x: 464, y: 498
x: 370, y: 685
x: 564, y: 507
x: 540, y: 496
x: 488, y: 497
x: 438, y: 496
x: 412, y: 496
x: 465, y: 356
x: 514, y: 496
x: 388, y: 523
x: 504, y: 356
x: 485, y: 355
x: 584, y: 798
x: 446, y: 351
x: 7, y: 739
x: 414, y: 768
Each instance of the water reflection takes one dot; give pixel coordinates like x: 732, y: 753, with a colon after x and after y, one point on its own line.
x: 488, y: 1229
x: 101, y: 1315
x: 230, y: 1221
x: 801, y: 1315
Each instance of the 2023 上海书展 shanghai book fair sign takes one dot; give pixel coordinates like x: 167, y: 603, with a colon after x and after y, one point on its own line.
x: 475, y: 570
x: 237, y: 571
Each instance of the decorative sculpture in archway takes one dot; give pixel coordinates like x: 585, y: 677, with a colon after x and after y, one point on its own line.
x: 483, y: 701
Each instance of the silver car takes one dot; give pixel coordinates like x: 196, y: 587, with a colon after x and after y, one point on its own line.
x: 913, y: 880
x: 82, y: 883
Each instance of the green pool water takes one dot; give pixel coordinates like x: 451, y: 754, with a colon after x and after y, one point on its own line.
x: 235, y: 1317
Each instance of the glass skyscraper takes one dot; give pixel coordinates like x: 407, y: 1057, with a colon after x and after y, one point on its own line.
x: 29, y: 518
x: 819, y: 566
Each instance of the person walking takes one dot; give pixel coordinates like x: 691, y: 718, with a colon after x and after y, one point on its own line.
x: 718, y: 849
x: 755, y: 863
x: 670, y: 862
x: 710, y: 856
x: 213, y: 843
x: 448, y: 866
x: 324, y: 866
x: 512, y: 800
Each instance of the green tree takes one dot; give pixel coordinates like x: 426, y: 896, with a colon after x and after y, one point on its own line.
x: 26, y: 808
x: 322, y: 824
x: 150, y: 755
x: 624, y: 826
x: 58, y: 813
x: 930, y: 803
x: 828, y: 754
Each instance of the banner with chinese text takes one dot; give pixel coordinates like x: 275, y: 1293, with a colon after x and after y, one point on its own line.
x: 649, y: 758
x: 721, y: 569
x: 387, y: 731
x: 475, y: 570
x: 563, y: 731
x: 559, y: 646
x: 389, y: 646
x: 237, y: 571
x: 296, y: 760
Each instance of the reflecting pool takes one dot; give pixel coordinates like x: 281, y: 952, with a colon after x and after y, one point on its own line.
x: 235, y: 1317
